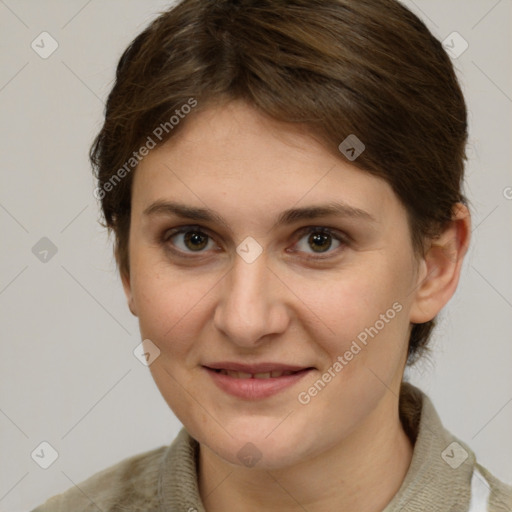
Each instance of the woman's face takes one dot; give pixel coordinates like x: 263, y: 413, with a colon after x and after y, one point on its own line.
x: 248, y: 282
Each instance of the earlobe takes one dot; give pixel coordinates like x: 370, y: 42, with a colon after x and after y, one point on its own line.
x: 131, y: 306
x: 441, y: 267
x: 125, y: 278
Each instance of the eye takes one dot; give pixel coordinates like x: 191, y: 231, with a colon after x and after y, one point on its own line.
x: 194, y: 239
x: 189, y: 239
x: 320, y: 241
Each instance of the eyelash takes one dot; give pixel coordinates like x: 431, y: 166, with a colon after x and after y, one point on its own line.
x: 335, y: 234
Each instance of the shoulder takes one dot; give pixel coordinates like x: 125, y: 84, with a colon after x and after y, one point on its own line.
x: 499, y: 494
x: 443, y: 468
x: 129, y: 485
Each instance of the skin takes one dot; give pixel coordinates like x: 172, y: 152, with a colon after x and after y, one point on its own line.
x: 286, y: 306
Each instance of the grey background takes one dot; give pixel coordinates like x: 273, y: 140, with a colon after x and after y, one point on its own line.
x: 68, y: 374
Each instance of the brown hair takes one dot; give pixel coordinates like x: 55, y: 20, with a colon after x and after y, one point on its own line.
x: 338, y: 67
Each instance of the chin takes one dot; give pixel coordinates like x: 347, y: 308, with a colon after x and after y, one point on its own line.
x: 264, y: 445
x: 259, y: 454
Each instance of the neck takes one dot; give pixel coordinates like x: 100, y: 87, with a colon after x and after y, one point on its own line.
x: 363, y: 472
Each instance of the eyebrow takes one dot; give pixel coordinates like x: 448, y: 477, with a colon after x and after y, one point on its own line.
x: 290, y: 216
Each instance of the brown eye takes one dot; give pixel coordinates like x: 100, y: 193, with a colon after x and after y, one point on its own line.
x: 188, y: 240
x: 195, y: 240
x: 320, y: 240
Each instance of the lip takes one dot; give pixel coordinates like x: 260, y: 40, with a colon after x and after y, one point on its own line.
x: 254, y: 368
x: 255, y: 389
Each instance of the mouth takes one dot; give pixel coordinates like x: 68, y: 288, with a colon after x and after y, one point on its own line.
x: 261, y: 375
x: 256, y: 381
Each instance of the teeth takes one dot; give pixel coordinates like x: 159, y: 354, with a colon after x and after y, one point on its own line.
x: 240, y: 375
x: 237, y: 375
x: 263, y: 375
x: 278, y: 373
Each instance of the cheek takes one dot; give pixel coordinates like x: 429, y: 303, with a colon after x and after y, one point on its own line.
x: 354, y: 298
x: 169, y: 303
x: 360, y: 313
x: 337, y: 307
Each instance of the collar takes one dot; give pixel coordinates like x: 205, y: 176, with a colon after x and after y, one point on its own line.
x: 438, y: 479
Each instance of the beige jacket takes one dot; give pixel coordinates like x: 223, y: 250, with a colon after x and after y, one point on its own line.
x: 443, y: 476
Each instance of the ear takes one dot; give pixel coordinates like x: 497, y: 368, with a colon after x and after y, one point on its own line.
x: 124, y: 273
x: 439, y: 269
x: 125, y: 279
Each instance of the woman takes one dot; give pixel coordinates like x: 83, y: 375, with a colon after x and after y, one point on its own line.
x: 284, y: 183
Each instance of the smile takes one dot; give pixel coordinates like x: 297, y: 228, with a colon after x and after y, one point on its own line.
x: 255, y: 385
x: 264, y: 375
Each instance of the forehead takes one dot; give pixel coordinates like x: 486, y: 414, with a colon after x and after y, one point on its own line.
x: 233, y: 157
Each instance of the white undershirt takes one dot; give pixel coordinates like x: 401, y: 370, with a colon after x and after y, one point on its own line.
x: 480, y: 492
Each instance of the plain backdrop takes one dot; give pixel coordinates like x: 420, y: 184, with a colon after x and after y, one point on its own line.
x: 68, y: 373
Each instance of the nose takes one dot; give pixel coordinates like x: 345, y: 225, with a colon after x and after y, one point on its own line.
x: 251, y: 307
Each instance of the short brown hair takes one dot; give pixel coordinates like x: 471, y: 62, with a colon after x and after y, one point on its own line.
x: 338, y: 67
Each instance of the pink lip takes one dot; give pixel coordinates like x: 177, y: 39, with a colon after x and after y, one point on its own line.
x: 256, y: 389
